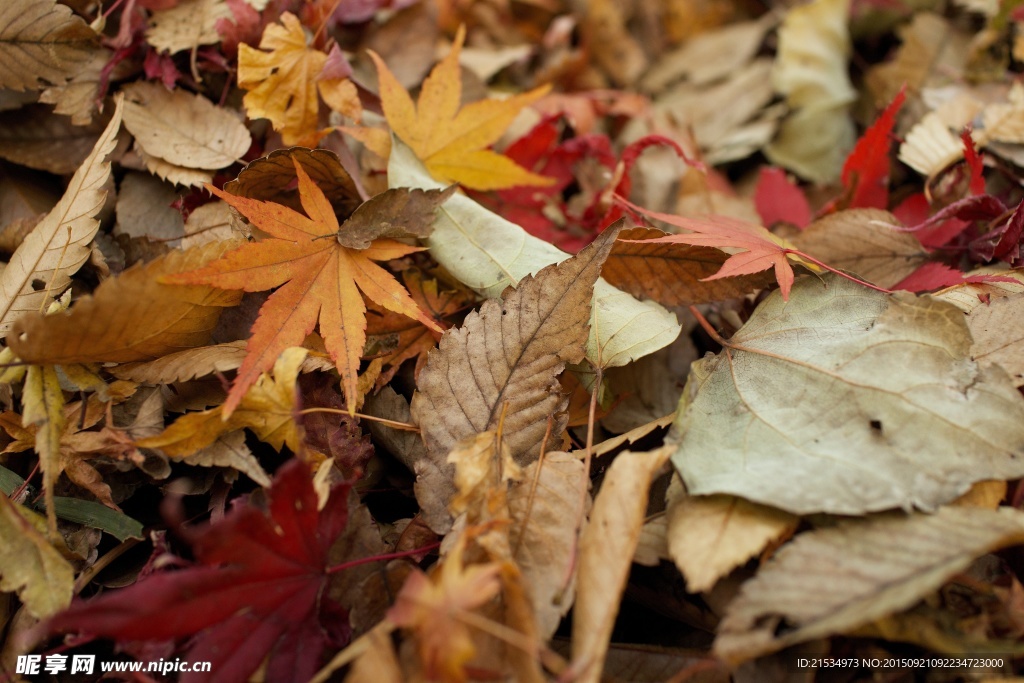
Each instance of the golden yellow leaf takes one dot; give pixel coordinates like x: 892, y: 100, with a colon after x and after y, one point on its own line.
x: 29, y: 564
x: 450, y: 141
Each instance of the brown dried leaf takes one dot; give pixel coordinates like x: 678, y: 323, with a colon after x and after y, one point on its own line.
x: 504, y: 362
x: 34, y: 136
x: 183, y: 129
x: 41, y: 41
x: 272, y: 179
x: 860, y: 241
x: 998, y: 331
x: 710, y: 536
x: 835, y: 579
x: 144, y: 208
x: 131, y: 317
x: 230, y: 450
x: 671, y: 274
x: 79, y: 97
x: 399, y: 212
x: 606, y: 552
x: 543, y: 534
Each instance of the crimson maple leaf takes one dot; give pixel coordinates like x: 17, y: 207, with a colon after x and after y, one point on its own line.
x: 255, y: 590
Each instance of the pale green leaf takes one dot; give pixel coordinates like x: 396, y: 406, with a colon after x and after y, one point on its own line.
x: 488, y: 253
x: 847, y: 400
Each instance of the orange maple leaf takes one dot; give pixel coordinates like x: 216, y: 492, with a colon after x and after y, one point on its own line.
x: 319, y: 278
x: 414, y: 340
x: 449, y: 141
x: 761, y: 248
x: 283, y: 82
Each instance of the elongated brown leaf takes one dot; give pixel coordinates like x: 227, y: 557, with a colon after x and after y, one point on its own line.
x: 606, y: 553
x: 672, y: 274
x: 41, y: 41
x: 132, y: 317
x: 834, y: 580
x: 505, y: 359
x: 56, y: 248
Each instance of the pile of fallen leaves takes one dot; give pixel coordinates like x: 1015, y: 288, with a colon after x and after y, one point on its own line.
x: 386, y: 340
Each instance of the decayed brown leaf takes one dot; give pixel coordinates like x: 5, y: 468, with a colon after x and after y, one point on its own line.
x: 525, y: 341
x: 132, y: 317
x: 861, y: 241
x: 41, y: 42
x: 59, y: 245
x: 673, y: 274
x: 835, y: 579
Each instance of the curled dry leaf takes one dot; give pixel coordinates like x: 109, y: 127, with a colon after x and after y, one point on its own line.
x: 488, y: 253
x: 131, y: 317
x: 59, y: 245
x: 606, y: 552
x: 183, y: 129
x: 890, y: 410
x: 861, y: 241
x: 710, y: 536
x: 41, y: 41
x: 833, y: 580
x: 502, y: 364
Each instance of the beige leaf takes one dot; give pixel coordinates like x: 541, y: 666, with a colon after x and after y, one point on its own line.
x: 185, y: 365
x: 710, y: 536
x: 31, y: 566
x: 179, y: 175
x: 230, y: 450
x: 41, y: 41
x: 544, y: 506
x: 189, y: 24
x: 835, y: 579
x: 606, y: 551
x: 183, y: 129
x: 130, y: 317
x: 502, y: 364
x: 813, y: 142
x: 144, y: 209
x: 890, y: 410
x: 998, y: 331
x: 79, y: 97
x: 42, y: 266
x: 929, y: 147
x: 211, y: 222
x: 860, y: 241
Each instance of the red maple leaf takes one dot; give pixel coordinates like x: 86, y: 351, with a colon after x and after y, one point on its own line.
x: 866, y: 171
x: 255, y: 590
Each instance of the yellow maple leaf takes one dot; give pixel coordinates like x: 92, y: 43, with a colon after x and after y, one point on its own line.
x: 451, y: 141
x: 283, y: 78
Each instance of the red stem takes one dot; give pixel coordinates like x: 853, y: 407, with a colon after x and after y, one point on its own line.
x: 378, y: 558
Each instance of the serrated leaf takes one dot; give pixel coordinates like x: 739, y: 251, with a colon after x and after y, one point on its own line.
x: 847, y: 400
x: 41, y: 41
x: 59, y: 245
x: 833, y: 580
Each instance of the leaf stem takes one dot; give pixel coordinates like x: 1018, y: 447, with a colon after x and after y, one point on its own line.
x: 838, y: 272
x: 380, y: 558
x: 404, y: 426
x: 712, y: 332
